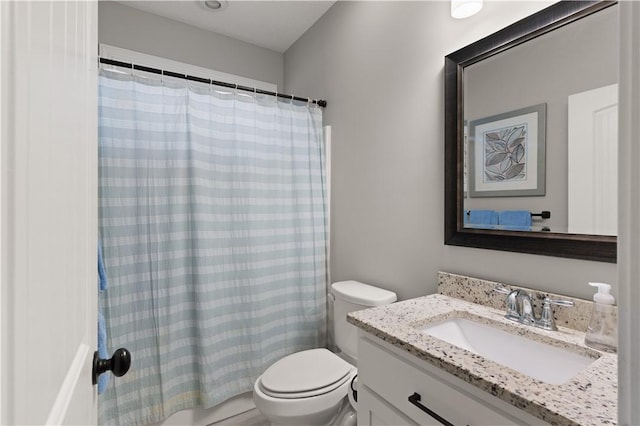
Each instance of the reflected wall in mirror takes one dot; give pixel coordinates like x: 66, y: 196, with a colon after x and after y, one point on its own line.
x: 547, y: 70
x: 531, y: 127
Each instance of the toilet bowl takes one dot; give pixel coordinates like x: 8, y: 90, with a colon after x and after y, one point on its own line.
x: 305, y: 388
x: 311, y: 387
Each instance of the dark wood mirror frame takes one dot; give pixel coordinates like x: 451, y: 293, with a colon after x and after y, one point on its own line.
x: 577, y: 246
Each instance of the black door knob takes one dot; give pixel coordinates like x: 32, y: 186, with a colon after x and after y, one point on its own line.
x: 118, y: 364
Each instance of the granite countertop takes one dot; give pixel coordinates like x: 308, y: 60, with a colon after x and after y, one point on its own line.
x: 589, y: 398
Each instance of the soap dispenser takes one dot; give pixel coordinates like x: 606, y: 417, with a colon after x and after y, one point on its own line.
x: 602, y: 332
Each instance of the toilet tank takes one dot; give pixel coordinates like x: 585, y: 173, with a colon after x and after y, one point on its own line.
x: 352, y: 296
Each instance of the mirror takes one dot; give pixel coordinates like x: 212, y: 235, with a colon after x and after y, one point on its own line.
x: 519, y: 175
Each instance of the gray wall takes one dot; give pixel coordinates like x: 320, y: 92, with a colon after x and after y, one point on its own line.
x: 380, y: 67
x: 578, y: 57
x: 132, y: 29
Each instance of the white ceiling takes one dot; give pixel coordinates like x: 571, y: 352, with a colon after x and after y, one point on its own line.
x: 275, y: 25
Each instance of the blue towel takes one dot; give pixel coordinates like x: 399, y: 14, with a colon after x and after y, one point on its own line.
x: 515, y: 219
x: 481, y: 217
x: 103, y: 380
x: 102, y: 274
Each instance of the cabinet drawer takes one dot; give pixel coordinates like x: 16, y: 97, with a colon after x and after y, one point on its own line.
x: 395, y: 379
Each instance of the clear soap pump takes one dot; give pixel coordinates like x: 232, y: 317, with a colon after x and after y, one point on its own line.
x: 602, y: 333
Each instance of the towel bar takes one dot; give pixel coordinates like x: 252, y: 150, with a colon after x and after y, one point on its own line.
x: 544, y: 214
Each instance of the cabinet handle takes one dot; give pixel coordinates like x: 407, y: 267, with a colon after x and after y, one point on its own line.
x: 415, y: 400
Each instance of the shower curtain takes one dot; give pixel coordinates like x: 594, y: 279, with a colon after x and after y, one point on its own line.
x: 213, y: 224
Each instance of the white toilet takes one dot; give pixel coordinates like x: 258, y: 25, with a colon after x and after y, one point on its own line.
x: 311, y: 387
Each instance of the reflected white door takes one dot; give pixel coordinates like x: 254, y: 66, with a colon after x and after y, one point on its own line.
x: 593, y: 161
x: 49, y: 211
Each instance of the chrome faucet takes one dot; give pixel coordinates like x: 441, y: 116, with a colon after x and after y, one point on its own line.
x: 526, y: 307
x: 520, y: 308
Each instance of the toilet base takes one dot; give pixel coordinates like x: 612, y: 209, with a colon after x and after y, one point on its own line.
x: 345, y: 416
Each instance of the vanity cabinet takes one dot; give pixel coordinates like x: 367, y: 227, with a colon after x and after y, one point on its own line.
x: 396, y: 388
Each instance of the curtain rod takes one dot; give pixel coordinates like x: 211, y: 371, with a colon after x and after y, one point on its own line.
x: 319, y: 102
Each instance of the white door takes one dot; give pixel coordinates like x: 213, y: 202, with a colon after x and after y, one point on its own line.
x: 593, y: 161
x: 49, y: 211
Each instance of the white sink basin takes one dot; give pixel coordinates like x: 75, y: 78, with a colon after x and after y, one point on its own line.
x: 535, y: 359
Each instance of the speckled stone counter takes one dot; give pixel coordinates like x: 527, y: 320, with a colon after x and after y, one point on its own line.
x: 589, y: 398
x: 482, y: 292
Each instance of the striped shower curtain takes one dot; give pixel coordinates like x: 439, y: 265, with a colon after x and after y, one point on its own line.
x: 213, y: 224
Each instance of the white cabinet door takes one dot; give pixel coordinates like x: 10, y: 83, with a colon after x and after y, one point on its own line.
x: 374, y: 411
x: 49, y: 211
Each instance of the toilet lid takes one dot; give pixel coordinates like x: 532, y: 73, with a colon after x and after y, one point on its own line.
x: 305, y: 374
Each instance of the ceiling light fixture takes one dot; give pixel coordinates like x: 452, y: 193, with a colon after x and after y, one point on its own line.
x: 215, y: 5
x: 465, y: 8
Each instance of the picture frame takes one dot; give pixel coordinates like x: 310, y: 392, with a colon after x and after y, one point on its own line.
x: 507, y: 154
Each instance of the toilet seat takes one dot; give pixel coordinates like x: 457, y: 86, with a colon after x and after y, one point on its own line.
x: 306, y: 403
x: 305, y: 374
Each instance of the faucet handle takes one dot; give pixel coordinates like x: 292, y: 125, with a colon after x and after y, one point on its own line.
x: 559, y: 302
x: 546, y: 320
x: 501, y: 289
